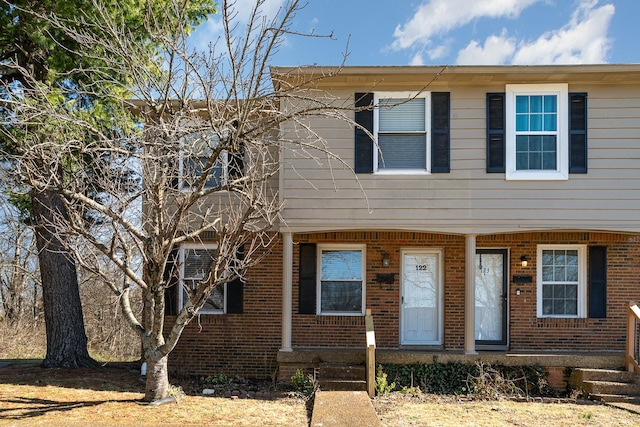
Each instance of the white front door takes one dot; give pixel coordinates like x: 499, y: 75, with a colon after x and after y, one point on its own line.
x: 491, y: 292
x: 421, y: 293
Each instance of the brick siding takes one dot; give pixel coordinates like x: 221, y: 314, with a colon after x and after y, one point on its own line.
x: 247, y: 344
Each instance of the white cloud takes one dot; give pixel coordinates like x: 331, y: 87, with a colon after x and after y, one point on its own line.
x: 437, y: 16
x: 582, y: 41
x: 417, y: 59
x: 496, y: 50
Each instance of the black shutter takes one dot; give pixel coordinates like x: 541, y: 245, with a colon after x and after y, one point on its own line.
x: 235, y: 291
x: 598, y: 281
x: 440, y: 135
x: 495, y: 133
x: 172, y: 280
x: 236, y: 163
x: 307, y: 276
x: 363, y: 142
x: 577, y: 133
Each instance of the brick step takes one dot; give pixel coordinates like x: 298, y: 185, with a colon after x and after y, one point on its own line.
x: 582, y: 374
x: 341, y: 377
x: 342, y: 385
x: 611, y: 387
x: 342, y: 372
x: 616, y: 398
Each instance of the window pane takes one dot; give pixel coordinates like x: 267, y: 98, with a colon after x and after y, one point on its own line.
x: 535, y: 122
x: 342, y: 265
x: 522, y: 143
x: 522, y: 104
x: 402, y: 115
x: 197, y: 263
x: 571, y: 291
x: 522, y: 122
x: 535, y: 104
x: 535, y: 143
x: 550, y: 104
x: 571, y: 307
x: 402, y: 151
x: 547, y: 307
x: 341, y: 296
x: 548, y: 161
x: 535, y: 161
x: 550, y: 122
x: 547, y: 273
x: 547, y: 291
x: 216, y: 300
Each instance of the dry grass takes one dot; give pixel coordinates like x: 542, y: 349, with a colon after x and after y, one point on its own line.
x: 397, y: 410
x: 111, y: 396
x: 30, y: 396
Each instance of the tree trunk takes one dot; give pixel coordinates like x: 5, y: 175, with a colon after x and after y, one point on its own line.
x: 157, y: 385
x: 64, y: 324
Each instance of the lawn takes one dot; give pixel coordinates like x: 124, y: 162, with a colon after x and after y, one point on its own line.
x: 111, y: 396
x: 107, y: 395
x: 398, y: 409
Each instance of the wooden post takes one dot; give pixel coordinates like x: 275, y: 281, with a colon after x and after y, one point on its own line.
x: 370, y: 359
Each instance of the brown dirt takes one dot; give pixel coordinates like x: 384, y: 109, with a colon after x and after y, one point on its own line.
x: 112, y: 395
x: 398, y: 409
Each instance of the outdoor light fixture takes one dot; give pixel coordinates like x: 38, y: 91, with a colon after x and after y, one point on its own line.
x: 385, y: 259
x: 524, y: 260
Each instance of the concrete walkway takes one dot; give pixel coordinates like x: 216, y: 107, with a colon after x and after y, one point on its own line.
x: 343, y: 409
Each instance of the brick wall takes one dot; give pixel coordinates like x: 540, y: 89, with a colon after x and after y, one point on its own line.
x: 247, y: 344
x: 238, y: 344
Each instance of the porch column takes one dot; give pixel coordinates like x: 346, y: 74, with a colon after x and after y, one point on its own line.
x: 470, y: 294
x: 287, y: 290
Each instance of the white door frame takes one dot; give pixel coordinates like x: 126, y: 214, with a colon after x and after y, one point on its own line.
x: 440, y: 291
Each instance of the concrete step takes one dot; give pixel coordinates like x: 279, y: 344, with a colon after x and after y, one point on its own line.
x: 581, y: 374
x: 343, y: 409
x: 611, y: 387
x: 616, y: 398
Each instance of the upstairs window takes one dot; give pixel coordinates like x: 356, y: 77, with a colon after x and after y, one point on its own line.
x: 197, y: 149
x: 402, y: 133
x: 537, y: 140
x: 412, y: 132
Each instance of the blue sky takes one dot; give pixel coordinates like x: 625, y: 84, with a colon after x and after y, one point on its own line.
x: 448, y: 32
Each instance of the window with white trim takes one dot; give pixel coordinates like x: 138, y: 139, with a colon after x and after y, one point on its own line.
x: 195, y: 267
x: 561, y: 274
x: 341, y: 285
x: 196, y: 151
x: 401, y: 127
x: 537, y: 140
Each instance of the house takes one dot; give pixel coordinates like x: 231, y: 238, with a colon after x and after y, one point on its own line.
x: 496, y: 215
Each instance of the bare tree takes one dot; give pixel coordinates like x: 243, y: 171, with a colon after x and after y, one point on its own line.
x: 20, y: 292
x: 203, y: 167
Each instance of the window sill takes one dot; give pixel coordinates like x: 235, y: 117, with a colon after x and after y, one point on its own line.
x: 536, y: 176
x: 341, y: 313
x: 402, y: 172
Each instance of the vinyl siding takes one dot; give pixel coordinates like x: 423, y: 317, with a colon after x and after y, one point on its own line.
x: 324, y: 194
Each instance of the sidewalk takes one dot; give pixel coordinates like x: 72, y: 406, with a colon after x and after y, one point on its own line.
x: 343, y: 409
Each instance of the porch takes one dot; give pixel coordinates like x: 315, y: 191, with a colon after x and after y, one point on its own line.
x: 555, y: 363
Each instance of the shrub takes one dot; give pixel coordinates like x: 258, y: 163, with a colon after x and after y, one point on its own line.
x: 468, y: 378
